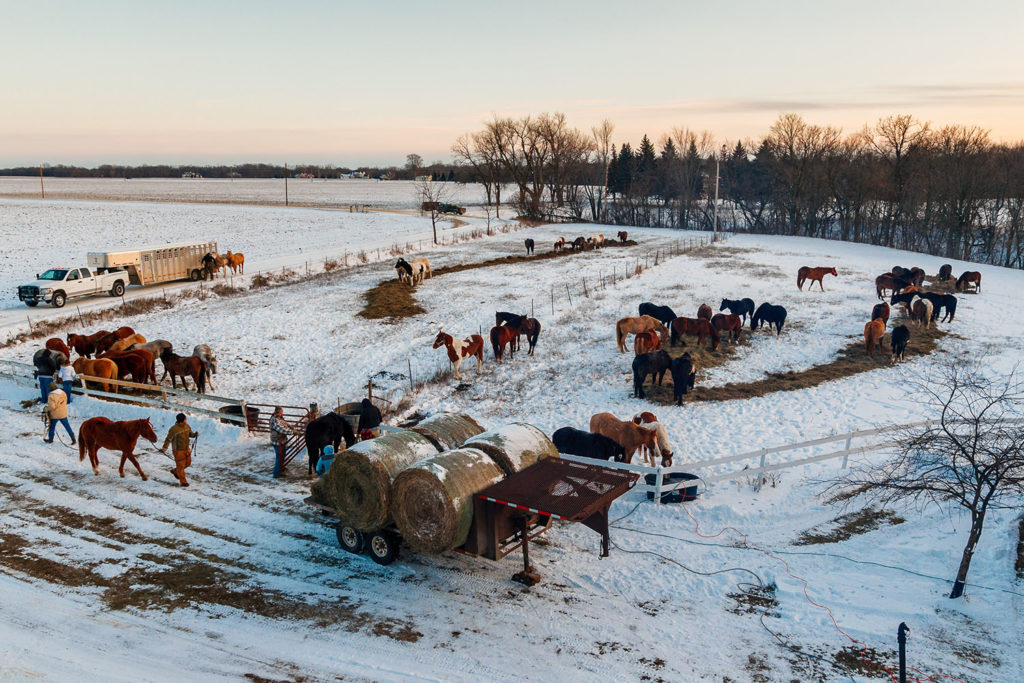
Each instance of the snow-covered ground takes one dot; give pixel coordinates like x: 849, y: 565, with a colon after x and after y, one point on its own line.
x: 235, y: 576
x: 392, y: 194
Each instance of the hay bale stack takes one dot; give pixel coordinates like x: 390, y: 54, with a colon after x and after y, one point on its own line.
x: 448, y: 430
x: 358, y: 485
x: 432, y: 501
x: 514, y: 446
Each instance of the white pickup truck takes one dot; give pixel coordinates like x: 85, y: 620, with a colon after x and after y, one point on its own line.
x: 57, y: 285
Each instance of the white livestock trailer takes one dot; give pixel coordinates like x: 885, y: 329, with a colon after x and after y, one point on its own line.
x: 157, y: 263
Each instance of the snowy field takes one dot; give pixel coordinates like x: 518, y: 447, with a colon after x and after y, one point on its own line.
x: 391, y: 194
x: 127, y: 580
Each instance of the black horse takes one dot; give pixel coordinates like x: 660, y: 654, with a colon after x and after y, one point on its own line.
x: 577, y: 442
x: 946, y: 273
x: 943, y: 301
x: 683, y: 377
x: 743, y: 307
x: 529, y: 246
x: 579, y: 244
x: 531, y: 328
x: 898, y: 341
x: 771, y: 315
x: 510, y: 319
x: 904, y: 298
x: 662, y: 313
x: 656, y: 364
x: 327, y: 429
x: 404, y: 270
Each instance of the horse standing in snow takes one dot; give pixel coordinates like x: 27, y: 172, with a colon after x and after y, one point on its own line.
x: 814, y: 275
x: 461, y: 349
x: 529, y: 246
x: 403, y: 270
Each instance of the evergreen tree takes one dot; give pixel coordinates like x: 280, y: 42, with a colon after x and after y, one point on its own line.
x: 626, y: 171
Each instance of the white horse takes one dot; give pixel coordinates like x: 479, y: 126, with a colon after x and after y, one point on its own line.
x: 420, y: 269
x: 928, y: 308
x: 204, y: 354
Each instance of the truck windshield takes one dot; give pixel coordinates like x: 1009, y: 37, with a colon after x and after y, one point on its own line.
x: 53, y: 275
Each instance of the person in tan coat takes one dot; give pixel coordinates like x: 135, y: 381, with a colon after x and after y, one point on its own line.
x: 178, y: 437
x: 57, y: 410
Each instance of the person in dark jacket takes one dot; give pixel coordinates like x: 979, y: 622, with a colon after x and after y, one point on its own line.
x: 178, y: 437
x: 47, y: 364
x: 369, y: 420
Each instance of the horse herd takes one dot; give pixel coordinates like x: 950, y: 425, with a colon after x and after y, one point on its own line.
x: 610, y: 438
x: 214, y: 263
x: 413, y: 273
x: 123, y: 353
x: 580, y: 243
x: 508, y: 328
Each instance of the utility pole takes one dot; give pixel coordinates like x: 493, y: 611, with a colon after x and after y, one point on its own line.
x: 714, y: 237
x: 286, y: 184
x: 42, y: 192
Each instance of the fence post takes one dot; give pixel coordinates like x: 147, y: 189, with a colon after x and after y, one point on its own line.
x: 568, y: 294
x: 409, y: 364
x: 658, y: 480
x: 552, y: 300
x: 760, y: 475
x: 846, y: 458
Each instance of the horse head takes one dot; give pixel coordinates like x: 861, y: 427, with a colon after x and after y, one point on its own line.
x: 147, y: 432
x: 441, y: 339
x: 833, y: 271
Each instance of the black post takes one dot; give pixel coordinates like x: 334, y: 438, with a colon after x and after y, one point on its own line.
x: 901, y: 638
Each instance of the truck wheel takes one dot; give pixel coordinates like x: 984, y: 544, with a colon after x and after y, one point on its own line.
x: 383, y: 547
x: 32, y: 304
x: 195, y: 275
x: 59, y: 299
x: 117, y: 289
x: 350, y: 539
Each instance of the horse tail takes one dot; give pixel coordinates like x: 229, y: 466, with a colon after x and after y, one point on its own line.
x: 201, y: 381
x: 619, y: 336
x: 536, y: 333
x: 81, y: 442
x: 800, y: 279
x: 495, y: 342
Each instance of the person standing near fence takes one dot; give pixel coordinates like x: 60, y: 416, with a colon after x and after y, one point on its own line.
x: 47, y: 363
x: 67, y: 376
x: 57, y: 411
x: 179, y: 436
x: 280, y: 430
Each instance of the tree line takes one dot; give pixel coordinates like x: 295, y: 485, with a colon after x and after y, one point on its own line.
x: 251, y: 170
x: 949, y: 191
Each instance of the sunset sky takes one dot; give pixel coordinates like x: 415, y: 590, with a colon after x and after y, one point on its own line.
x: 350, y: 83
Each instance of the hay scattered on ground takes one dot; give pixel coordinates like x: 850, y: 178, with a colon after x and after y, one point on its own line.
x: 850, y: 525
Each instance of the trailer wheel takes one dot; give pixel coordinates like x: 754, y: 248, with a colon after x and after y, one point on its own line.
x: 382, y: 547
x: 117, y: 289
x: 59, y: 299
x: 32, y: 304
x: 196, y: 275
x: 349, y: 539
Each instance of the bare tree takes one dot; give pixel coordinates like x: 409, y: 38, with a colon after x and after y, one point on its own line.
x: 413, y: 163
x: 971, y: 456
x: 432, y: 195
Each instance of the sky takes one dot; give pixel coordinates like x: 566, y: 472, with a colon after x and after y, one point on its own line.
x: 350, y: 83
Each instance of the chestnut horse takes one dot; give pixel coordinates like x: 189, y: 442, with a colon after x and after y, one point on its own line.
x: 645, y: 342
x: 698, y: 327
x: 971, y: 277
x: 882, y: 311
x: 139, y: 364
x: 813, y: 275
x: 85, y: 345
x: 100, y: 368
x: 55, y: 344
x: 461, y: 349
x: 873, y: 333
x: 890, y: 282
x: 100, y: 432
x: 644, y: 323
x: 236, y: 262
x: 623, y: 236
x: 730, y: 324
x: 630, y: 436
x: 184, y: 366
x: 123, y: 344
x: 531, y: 328
x: 704, y: 311
x: 502, y: 336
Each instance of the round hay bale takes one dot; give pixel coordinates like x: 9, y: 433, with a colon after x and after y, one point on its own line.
x: 432, y: 501
x: 358, y: 485
x: 514, y: 446
x: 448, y: 430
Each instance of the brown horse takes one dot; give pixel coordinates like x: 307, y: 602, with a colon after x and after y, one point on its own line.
x: 921, y: 311
x: 890, y: 282
x: 502, y: 336
x: 645, y: 342
x: 806, y: 273
x: 85, y: 345
x: 55, y: 344
x: 698, y: 327
x: 560, y: 244
x: 882, y: 311
x: 873, y: 333
x: 184, y: 366
x: 644, y: 323
x: 730, y: 324
x: 970, y: 277
x: 630, y: 436
x: 945, y: 273
x: 704, y: 311
x: 123, y: 332
x: 100, y: 432
x: 461, y: 349
x: 138, y: 363
x: 100, y: 368
x: 623, y: 236
x: 531, y: 328
x: 123, y: 344
x: 236, y: 262
x: 917, y: 276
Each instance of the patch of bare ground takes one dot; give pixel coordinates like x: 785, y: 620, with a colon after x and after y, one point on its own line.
x: 16, y: 556
x: 758, y: 668
x: 866, y: 661
x: 851, y: 360
x: 850, y: 525
x: 755, y: 600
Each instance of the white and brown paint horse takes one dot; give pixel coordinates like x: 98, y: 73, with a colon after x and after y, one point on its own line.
x: 461, y: 349
x: 649, y: 420
x: 420, y: 269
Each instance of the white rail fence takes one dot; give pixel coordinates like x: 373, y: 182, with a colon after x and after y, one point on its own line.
x: 157, y: 395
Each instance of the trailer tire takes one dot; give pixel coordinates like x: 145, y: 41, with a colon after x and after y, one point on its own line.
x: 382, y: 547
x: 349, y: 539
x: 196, y: 275
x: 32, y: 304
x: 117, y: 289
x: 59, y: 299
